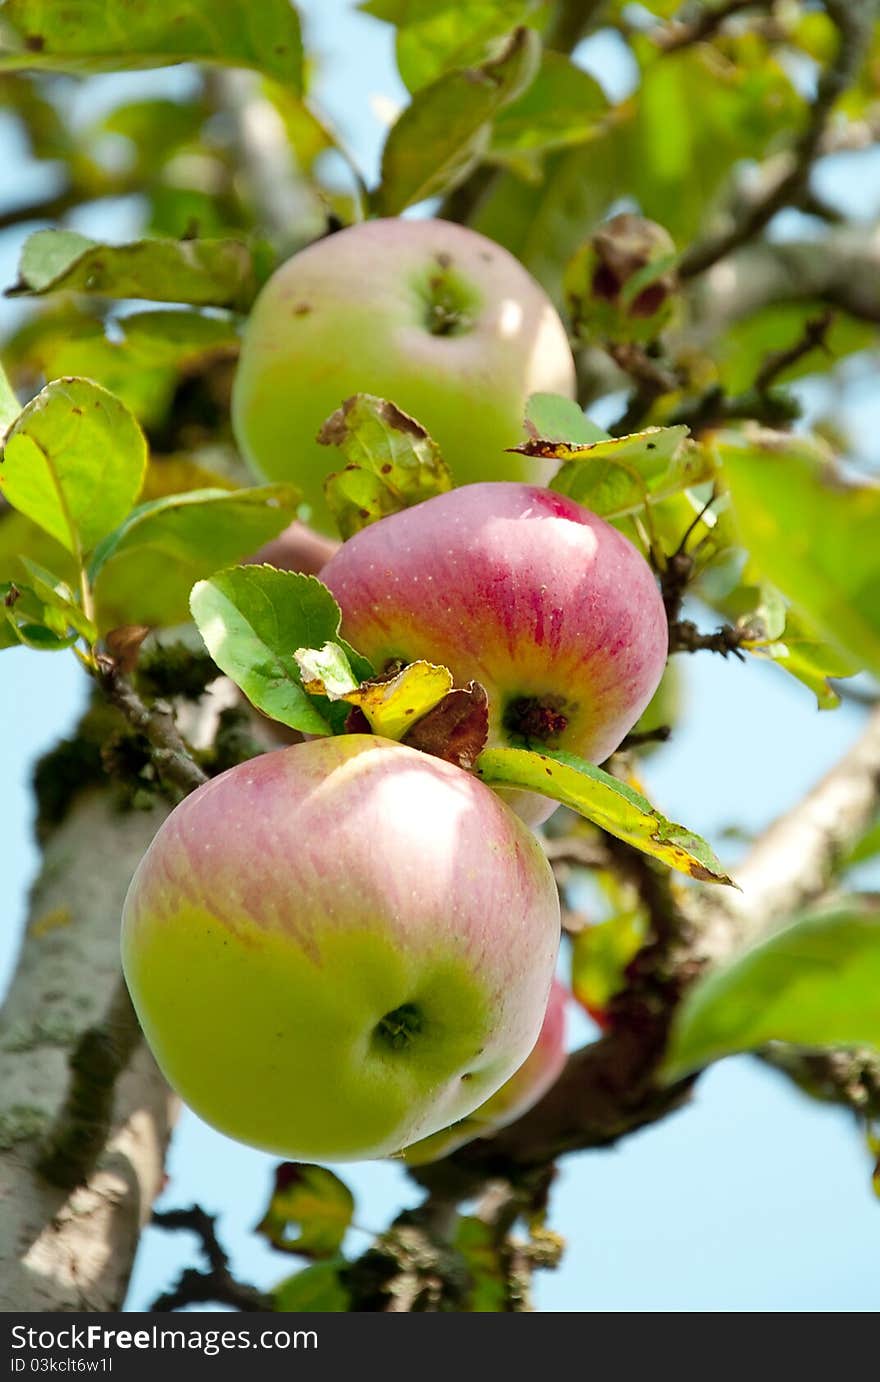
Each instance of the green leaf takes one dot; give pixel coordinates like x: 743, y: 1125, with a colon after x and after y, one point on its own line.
x: 392, y: 705
x: 253, y: 619
x: 205, y: 273
x: 866, y: 847
x: 144, y: 571
x: 315, y: 1289
x: 445, y: 132
x: 315, y: 1201
x: 604, y: 800
x: 392, y: 462
x: 9, y: 404
x: 58, y: 596
x: 813, y: 984
x: 561, y: 108
x: 479, y: 1246
x: 618, y: 477
x: 74, y: 462
x: 435, y: 36
x: 676, y: 163
x: 600, y: 954
x: 551, y: 417
x: 114, y: 35
x: 455, y: 37
x: 813, y: 536
x: 27, y: 619
x: 543, y: 222
x: 141, y: 365
x: 785, y: 637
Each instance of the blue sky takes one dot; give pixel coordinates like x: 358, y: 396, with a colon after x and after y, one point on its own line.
x: 753, y: 1198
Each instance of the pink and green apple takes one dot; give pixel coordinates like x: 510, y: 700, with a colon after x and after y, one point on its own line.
x: 538, y: 1073
x: 338, y: 948
x: 431, y: 315
x: 550, y: 608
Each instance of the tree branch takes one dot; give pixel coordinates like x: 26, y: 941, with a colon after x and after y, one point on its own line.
x: 854, y: 22
x: 80, y: 1133
x: 710, y: 19
x: 173, y: 759
x: 607, y: 1089
x: 217, y: 1284
x: 101, y: 1129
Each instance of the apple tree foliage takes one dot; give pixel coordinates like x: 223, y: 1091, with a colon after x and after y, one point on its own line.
x: 648, y: 218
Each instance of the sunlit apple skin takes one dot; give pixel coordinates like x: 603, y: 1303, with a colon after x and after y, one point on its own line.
x: 297, y: 548
x: 538, y: 1073
x: 291, y: 904
x: 520, y: 589
x: 431, y: 315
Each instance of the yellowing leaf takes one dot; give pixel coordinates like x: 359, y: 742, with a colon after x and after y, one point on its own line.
x: 604, y: 800
x: 392, y: 705
x: 312, y: 1199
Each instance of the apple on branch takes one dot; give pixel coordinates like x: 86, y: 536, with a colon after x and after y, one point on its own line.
x: 548, y: 607
x: 431, y: 315
x: 338, y: 948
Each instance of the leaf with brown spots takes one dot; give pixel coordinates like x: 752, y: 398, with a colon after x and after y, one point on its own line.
x: 456, y: 729
x: 315, y: 1201
x: 609, y: 803
x: 392, y: 462
x: 621, y: 475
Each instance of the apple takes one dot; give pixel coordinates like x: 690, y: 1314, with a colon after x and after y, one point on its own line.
x: 297, y: 548
x: 538, y: 1073
x: 337, y: 948
x: 554, y: 611
x: 431, y: 315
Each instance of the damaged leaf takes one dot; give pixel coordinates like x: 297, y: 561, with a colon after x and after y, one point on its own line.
x: 392, y: 462
x: 607, y: 802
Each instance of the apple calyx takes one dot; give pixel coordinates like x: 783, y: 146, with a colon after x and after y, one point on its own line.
x: 398, y: 1028
x: 450, y: 302
x: 537, y: 720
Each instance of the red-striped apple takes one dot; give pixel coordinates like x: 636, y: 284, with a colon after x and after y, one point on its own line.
x: 337, y: 948
x: 549, y: 607
x: 431, y: 315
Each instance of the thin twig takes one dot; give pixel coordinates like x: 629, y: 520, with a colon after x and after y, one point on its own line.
x: 707, y: 23
x: 652, y: 380
x: 685, y: 637
x: 813, y: 337
x: 638, y: 738
x: 217, y: 1284
x: 854, y: 22
x: 173, y: 759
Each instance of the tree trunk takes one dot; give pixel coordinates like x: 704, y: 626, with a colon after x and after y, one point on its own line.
x: 60, y: 1249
